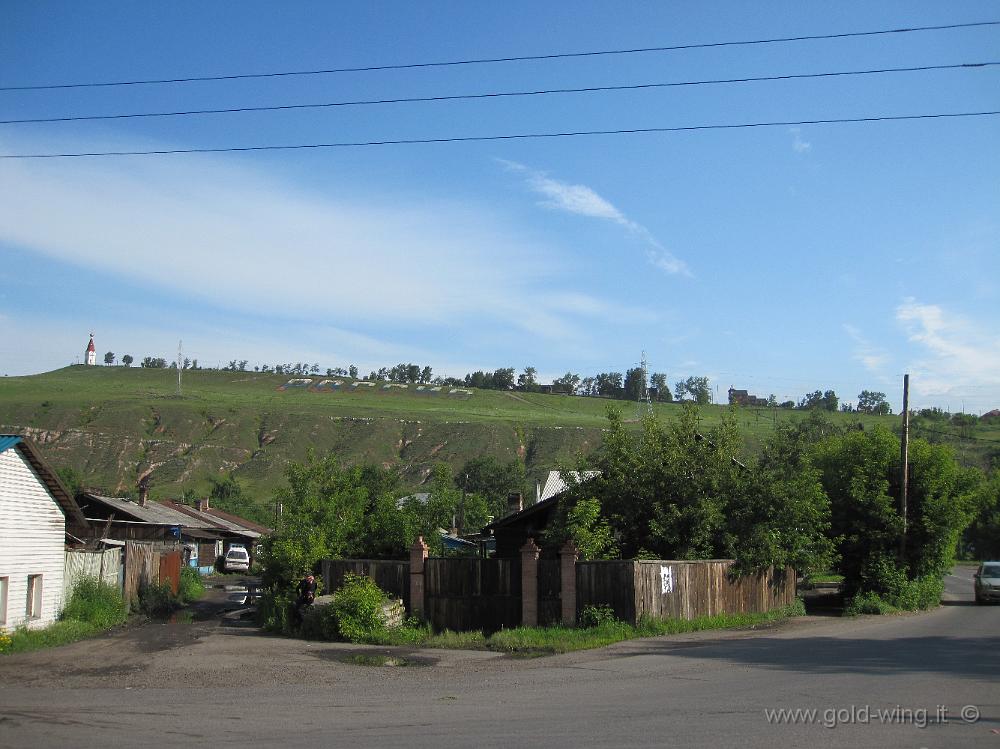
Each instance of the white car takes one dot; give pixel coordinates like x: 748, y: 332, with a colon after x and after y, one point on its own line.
x: 988, y: 582
x: 237, y: 560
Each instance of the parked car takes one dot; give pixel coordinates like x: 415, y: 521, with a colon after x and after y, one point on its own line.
x: 988, y: 582
x: 237, y: 560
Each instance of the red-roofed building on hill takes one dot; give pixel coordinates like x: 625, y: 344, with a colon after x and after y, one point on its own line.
x: 91, y: 352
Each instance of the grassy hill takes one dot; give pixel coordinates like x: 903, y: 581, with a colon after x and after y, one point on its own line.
x: 114, y: 424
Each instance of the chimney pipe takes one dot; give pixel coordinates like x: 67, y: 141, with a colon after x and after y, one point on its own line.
x: 515, y: 503
x: 143, y: 490
x: 203, y: 505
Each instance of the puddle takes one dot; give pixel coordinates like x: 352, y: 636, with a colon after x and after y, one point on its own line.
x: 392, y: 661
x: 379, y: 660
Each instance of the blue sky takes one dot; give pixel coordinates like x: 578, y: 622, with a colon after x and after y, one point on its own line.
x: 781, y: 260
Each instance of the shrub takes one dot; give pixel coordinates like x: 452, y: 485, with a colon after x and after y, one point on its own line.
x: 320, y: 623
x: 867, y: 603
x: 595, y: 616
x: 883, y: 579
x: 156, y: 599
x: 191, y: 588
x: 357, y: 607
x: 95, y: 602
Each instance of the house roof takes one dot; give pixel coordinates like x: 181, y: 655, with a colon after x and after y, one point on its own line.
x: 420, y: 497
x: 250, y: 525
x: 555, y: 484
x: 48, y: 477
x: 524, y: 514
x: 219, y: 519
x: 153, y: 512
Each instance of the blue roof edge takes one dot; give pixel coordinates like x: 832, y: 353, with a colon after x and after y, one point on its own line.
x: 8, y: 441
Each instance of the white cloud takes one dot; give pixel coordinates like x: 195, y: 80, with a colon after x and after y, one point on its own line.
x: 584, y: 201
x: 799, y: 145
x: 960, y: 357
x: 873, y: 358
x: 238, y: 238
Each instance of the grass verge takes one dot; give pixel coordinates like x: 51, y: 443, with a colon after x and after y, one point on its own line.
x: 559, y: 639
x: 93, y: 607
x: 59, y: 633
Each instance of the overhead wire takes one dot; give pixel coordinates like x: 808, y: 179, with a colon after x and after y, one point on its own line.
x: 502, y: 94
x: 508, y: 59
x: 515, y: 136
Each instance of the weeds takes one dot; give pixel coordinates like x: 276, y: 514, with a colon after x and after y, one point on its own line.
x: 94, y: 606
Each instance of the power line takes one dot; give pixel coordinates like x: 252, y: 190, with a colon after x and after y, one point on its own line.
x: 501, y: 94
x: 491, y: 60
x: 517, y: 136
x: 952, y: 434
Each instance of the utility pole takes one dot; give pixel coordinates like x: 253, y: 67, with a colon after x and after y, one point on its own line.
x: 644, y: 405
x: 180, y: 365
x: 904, y: 449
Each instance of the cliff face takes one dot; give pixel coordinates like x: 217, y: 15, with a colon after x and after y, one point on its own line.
x: 113, y: 444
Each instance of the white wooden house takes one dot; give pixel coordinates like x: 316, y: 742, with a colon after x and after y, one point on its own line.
x: 36, y: 512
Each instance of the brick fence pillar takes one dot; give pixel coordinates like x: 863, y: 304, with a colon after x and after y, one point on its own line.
x: 418, y: 555
x: 568, y: 555
x: 529, y: 583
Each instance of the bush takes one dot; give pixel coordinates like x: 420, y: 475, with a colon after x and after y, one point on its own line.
x: 357, y: 607
x: 319, y: 623
x: 596, y: 616
x: 95, y: 602
x: 156, y: 599
x: 884, y: 580
x: 191, y: 588
x: 868, y: 603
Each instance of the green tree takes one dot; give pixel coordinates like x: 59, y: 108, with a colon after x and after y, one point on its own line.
x: 982, y: 538
x: 492, y: 480
x: 109, y: 358
x: 871, y: 402
x: 859, y: 472
x: 635, y: 383
x: 503, y: 379
x: 674, y: 492
x: 566, y: 384
x: 609, y: 384
x: 696, y: 387
x: 579, y: 520
x: 528, y: 380
x: 658, y: 380
x: 445, y: 507
x: 127, y: 360
x: 825, y: 401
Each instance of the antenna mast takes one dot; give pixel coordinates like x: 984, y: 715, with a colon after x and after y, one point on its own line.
x: 644, y: 405
x: 180, y: 366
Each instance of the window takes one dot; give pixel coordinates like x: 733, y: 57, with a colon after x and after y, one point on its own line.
x: 33, y: 610
x: 4, y: 583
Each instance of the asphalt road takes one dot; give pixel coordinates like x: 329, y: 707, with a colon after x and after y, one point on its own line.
x: 179, y: 684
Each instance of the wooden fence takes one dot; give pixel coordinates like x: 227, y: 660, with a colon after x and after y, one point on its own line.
x: 142, y: 568
x: 468, y: 593
x: 464, y: 594
x: 680, y: 589
x: 104, y: 565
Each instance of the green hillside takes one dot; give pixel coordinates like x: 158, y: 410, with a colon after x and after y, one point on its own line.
x: 114, y: 424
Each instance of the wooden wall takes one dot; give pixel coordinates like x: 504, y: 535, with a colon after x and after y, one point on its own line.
x: 706, y: 588
x: 463, y: 594
x: 470, y: 593
x: 607, y: 583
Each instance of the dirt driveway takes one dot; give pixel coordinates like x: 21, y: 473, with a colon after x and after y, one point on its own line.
x: 204, y: 646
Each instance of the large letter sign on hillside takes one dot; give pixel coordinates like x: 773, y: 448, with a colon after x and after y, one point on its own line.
x: 667, y: 579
